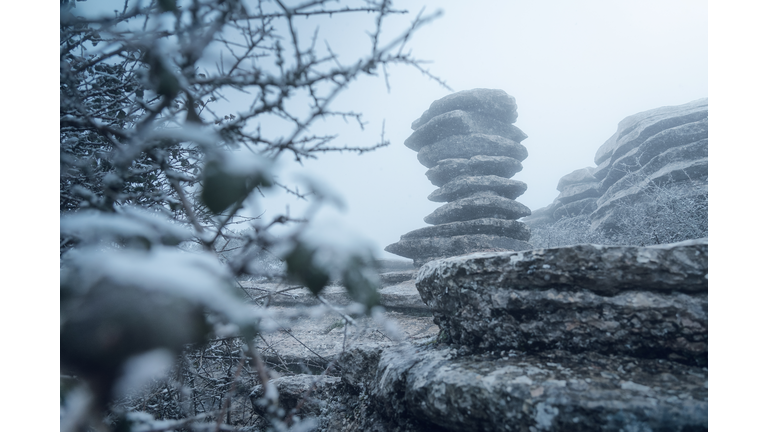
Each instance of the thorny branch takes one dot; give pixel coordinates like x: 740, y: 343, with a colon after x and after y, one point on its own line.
x: 147, y: 111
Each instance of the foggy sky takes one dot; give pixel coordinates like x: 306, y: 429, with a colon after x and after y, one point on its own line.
x: 575, y: 68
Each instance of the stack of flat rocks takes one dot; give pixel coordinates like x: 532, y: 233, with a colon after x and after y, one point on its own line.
x: 468, y: 142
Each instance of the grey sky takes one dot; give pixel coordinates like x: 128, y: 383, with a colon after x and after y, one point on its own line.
x: 575, y: 68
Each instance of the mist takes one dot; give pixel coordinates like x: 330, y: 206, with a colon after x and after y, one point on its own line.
x: 575, y: 70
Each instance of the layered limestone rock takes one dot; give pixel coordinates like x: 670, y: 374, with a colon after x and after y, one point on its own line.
x: 648, y: 302
x: 468, y: 142
x: 577, y: 338
x: 437, y: 388
x: 661, y: 148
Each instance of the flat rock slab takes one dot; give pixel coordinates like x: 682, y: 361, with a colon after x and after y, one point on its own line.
x: 467, y: 146
x: 550, y: 391
x: 492, y: 103
x: 398, y: 294
x: 449, y: 169
x: 392, y: 278
x: 648, y: 302
x: 499, y: 227
x: 466, y: 186
x: 461, y: 123
x: 424, y: 249
x: 479, y: 205
x: 306, y: 342
x: 576, y: 192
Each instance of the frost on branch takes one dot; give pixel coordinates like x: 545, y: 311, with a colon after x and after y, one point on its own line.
x: 158, y: 161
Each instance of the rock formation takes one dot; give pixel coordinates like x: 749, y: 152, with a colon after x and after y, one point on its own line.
x: 578, y: 338
x: 471, y: 148
x: 663, y: 147
x: 646, y: 302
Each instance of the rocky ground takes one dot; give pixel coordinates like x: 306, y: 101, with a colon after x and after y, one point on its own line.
x: 564, y: 339
x: 308, y: 338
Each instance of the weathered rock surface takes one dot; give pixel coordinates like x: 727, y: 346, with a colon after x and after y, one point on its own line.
x: 689, y: 177
x: 662, y: 142
x: 392, y: 278
x: 449, y: 169
x: 583, y: 175
x: 467, y: 146
x: 479, y: 205
x: 575, y: 208
x: 605, y: 338
x: 461, y: 123
x: 424, y: 249
x: 648, y: 302
x: 492, y: 103
x: 688, y: 162
x: 660, y: 148
x: 552, y: 391
x: 499, y: 227
x: 576, y: 192
x: 465, y: 186
x: 542, y: 217
x: 635, y: 129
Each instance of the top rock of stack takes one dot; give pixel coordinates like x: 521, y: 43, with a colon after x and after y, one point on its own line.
x: 493, y: 103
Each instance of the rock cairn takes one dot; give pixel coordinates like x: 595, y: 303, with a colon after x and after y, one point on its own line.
x: 468, y: 142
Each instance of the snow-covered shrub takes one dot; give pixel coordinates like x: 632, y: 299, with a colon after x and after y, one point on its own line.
x: 157, y: 167
x: 663, y: 214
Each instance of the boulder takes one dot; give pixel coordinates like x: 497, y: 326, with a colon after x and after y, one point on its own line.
x: 491, y: 103
x: 461, y: 123
x: 449, y: 169
x: 480, y: 205
x: 647, y: 302
x: 499, y: 227
x: 552, y: 391
x: 467, y: 146
x: 424, y: 249
x: 465, y: 186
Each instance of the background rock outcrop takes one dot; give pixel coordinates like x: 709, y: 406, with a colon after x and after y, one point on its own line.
x: 468, y: 142
x: 657, y: 152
